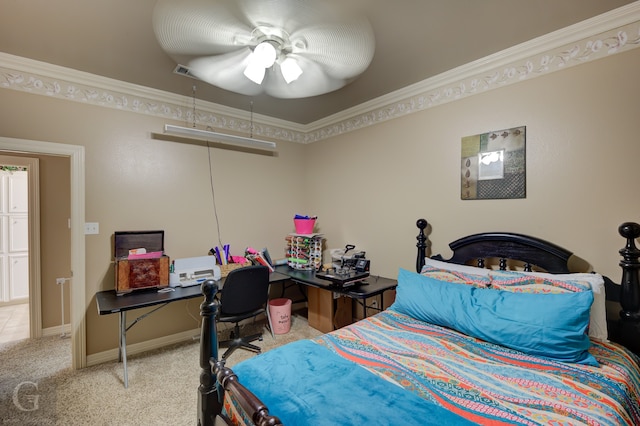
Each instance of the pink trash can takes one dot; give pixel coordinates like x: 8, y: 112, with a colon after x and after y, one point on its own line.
x: 280, y: 313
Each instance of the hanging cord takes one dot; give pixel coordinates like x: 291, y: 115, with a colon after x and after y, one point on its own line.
x: 213, y: 191
x: 213, y: 194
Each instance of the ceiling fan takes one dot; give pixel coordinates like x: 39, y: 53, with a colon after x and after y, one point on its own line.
x: 284, y: 48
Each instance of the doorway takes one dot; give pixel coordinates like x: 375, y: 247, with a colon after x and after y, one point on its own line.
x: 78, y: 303
x: 14, y: 252
x: 19, y: 248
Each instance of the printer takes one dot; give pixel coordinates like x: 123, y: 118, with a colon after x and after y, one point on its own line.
x: 194, y: 271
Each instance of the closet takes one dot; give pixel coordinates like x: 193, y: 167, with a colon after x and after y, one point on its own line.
x: 14, y: 237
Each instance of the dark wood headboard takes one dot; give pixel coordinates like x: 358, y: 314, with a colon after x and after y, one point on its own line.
x: 624, y: 325
x: 531, y: 251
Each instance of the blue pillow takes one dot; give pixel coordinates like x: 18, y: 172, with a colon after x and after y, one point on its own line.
x: 551, y: 326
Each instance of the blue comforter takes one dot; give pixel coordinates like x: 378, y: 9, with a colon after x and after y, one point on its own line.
x: 304, y: 383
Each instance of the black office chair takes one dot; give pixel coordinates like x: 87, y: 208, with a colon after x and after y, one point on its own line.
x: 244, y: 295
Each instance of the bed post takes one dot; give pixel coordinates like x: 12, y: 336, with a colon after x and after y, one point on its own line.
x: 628, y: 327
x: 209, y: 405
x: 422, y: 244
x: 630, y: 291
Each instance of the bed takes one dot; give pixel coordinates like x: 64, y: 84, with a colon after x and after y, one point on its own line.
x: 500, y: 333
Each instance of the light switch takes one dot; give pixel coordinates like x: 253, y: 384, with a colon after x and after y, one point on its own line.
x: 91, y: 228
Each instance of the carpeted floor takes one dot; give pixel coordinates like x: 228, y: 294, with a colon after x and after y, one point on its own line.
x: 37, y: 386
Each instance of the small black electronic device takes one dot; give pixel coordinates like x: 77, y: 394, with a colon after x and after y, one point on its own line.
x: 362, y: 265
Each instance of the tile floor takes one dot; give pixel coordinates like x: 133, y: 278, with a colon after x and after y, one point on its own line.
x: 14, y: 322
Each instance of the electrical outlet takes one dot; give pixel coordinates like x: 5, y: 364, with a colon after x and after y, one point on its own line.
x: 91, y: 228
x: 374, y: 304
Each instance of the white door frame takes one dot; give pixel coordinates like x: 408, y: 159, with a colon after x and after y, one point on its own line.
x: 78, y: 303
x: 35, y: 295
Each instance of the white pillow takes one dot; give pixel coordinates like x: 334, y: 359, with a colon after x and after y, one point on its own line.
x: 465, y: 269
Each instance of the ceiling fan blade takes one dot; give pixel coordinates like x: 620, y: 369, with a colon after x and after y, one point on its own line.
x: 225, y: 71
x: 344, y: 50
x: 292, y: 15
x: 199, y: 27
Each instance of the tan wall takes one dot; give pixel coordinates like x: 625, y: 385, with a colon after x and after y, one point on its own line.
x: 55, y: 236
x: 581, y: 156
x: 134, y: 182
x: 368, y: 187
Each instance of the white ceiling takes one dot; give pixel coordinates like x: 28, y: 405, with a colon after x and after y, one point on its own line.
x: 415, y: 40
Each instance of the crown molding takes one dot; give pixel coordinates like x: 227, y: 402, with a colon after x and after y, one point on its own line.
x: 36, y: 77
x: 602, y: 36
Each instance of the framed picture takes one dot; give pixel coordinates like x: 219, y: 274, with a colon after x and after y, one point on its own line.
x: 493, y: 165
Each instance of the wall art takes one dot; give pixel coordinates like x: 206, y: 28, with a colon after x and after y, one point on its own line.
x: 493, y: 165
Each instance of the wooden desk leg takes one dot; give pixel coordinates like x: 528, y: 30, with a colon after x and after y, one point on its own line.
x: 320, y: 309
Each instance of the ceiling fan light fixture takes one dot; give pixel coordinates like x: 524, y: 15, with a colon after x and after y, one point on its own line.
x: 255, y: 72
x: 263, y: 57
x: 290, y: 69
x: 265, y: 54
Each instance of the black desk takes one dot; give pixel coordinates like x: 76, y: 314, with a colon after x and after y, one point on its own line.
x: 110, y: 303
x: 320, y: 294
x: 371, y: 286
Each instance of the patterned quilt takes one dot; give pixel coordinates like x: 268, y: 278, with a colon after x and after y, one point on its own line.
x: 489, y: 384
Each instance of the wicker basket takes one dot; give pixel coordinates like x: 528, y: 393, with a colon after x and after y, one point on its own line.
x: 225, y: 269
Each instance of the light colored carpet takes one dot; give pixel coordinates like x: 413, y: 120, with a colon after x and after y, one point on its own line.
x: 37, y: 386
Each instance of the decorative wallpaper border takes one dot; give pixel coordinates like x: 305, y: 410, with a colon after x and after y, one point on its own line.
x: 617, y: 32
x: 604, y: 45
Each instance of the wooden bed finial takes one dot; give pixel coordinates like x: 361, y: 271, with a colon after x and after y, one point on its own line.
x: 422, y: 244
x: 630, y: 291
x: 208, y: 403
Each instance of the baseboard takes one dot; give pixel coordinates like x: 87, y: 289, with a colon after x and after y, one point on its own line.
x: 24, y: 300
x: 148, y: 345
x: 136, y: 348
x: 58, y: 330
